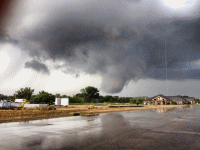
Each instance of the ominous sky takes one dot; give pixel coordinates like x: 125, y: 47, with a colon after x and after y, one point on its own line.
x: 123, y: 47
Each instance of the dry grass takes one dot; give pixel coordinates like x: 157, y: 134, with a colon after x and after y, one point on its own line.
x: 43, y: 112
x: 21, y: 114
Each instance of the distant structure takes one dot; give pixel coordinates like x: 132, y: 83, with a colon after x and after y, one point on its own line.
x: 8, y: 103
x: 5, y: 103
x: 62, y: 101
x: 20, y: 100
x: 34, y: 105
x: 168, y: 100
x: 145, y: 102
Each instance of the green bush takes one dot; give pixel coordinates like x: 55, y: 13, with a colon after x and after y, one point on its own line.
x: 174, y: 103
x: 137, y: 101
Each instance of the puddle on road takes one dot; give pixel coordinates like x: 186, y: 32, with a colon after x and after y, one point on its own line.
x: 59, y: 131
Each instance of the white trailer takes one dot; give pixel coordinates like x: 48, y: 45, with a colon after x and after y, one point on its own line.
x: 15, y: 104
x: 20, y: 100
x: 34, y: 105
x: 62, y: 101
x: 58, y: 101
x: 5, y: 103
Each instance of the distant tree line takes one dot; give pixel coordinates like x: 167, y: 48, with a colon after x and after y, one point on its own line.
x: 87, y: 95
x: 11, y: 98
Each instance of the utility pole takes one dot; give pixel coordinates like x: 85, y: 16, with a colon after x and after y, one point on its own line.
x: 15, y: 94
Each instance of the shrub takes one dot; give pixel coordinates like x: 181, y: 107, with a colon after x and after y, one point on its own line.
x: 174, y: 103
x: 51, y: 108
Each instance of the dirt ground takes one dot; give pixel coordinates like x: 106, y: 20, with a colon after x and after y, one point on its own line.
x: 71, y: 110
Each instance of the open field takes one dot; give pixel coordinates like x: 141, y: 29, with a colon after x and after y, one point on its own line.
x: 71, y: 110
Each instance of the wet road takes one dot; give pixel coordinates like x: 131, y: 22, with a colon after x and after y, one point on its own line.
x: 177, y: 129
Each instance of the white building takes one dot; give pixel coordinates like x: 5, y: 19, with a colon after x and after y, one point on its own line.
x: 62, y: 101
x: 20, y: 100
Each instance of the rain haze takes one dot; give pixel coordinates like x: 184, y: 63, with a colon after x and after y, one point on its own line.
x: 122, y: 47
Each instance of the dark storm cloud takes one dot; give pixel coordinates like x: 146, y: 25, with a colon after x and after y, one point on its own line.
x: 119, y: 40
x: 6, y: 9
x: 5, y: 38
x: 37, y: 66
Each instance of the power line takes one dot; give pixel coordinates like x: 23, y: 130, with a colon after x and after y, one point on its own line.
x: 166, y: 66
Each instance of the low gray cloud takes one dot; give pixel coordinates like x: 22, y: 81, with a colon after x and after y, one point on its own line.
x: 37, y: 66
x: 117, y: 40
x: 5, y: 38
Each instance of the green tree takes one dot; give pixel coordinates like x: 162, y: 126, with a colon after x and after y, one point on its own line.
x: 65, y: 96
x: 11, y: 98
x: 80, y: 95
x: 44, y: 97
x: 90, y: 93
x: 179, y: 95
x: 76, y: 99
x: 185, y: 96
x: 174, y: 103
x: 25, y: 93
x: 108, y: 98
x: 57, y: 95
x: 137, y: 100
x: 2, y: 97
x: 101, y: 99
x: 116, y: 98
x: 33, y: 98
x: 197, y: 101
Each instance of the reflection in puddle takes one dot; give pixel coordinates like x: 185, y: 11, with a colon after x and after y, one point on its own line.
x: 71, y: 131
x: 160, y: 110
x: 90, y: 120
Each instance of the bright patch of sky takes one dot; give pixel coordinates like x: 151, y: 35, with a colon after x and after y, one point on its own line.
x: 59, y: 82
x: 178, y: 3
x: 4, y: 62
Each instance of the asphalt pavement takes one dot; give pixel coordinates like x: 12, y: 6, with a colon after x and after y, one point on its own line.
x: 162, y: 129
